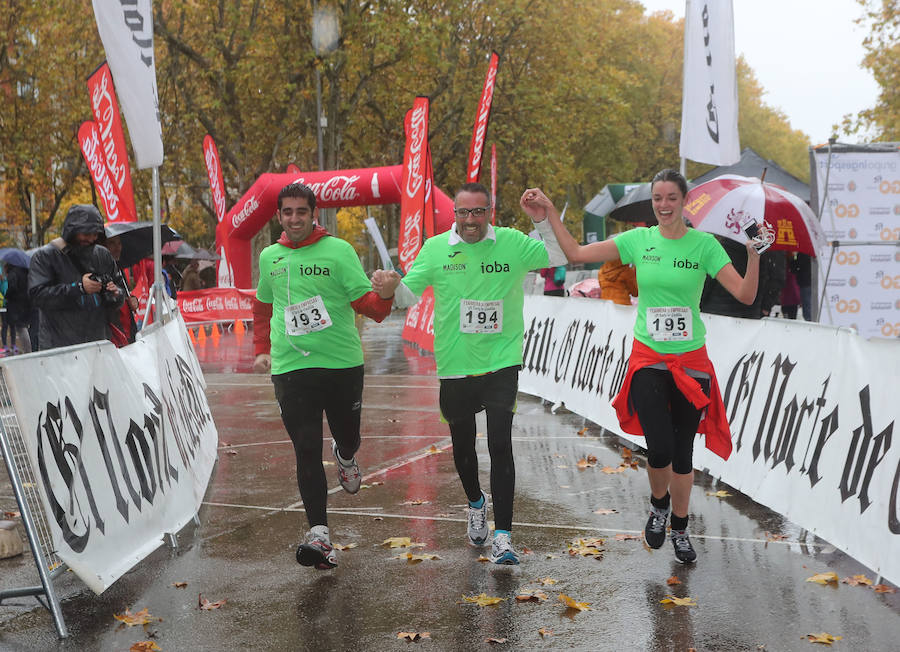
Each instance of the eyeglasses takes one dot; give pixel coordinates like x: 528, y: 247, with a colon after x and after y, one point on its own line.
x: 480, y: 211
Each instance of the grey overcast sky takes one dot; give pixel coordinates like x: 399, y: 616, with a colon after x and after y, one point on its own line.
x: 807, y: 55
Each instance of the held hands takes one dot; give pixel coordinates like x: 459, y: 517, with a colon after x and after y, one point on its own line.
x: 262, y: 364
x: 384, y: 282
x: 537, y: 205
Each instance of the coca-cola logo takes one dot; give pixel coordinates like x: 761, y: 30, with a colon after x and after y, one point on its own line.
x: 104, y: 108
x: 192, y: 305
x: 251, y: 206
x: 418, y: 132
x: 212, y: 169
x: 90, y: 146
x: 481, y: 123
x: 410, y: 239
x: 339, y: 189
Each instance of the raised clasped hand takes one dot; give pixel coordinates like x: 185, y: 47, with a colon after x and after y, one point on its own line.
x: 536, y: 204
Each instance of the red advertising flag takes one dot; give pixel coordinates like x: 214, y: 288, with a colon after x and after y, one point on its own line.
x: 493, y: 183
x: 429, y: 195
x: 214, y: 172
x: 412, y: 199
x: 105, y: 108
x: 479, y: 133
x: 92, y: 150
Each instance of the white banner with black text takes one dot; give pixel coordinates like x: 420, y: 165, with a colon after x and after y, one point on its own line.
x: 811, y: 408
x: 122, y: 444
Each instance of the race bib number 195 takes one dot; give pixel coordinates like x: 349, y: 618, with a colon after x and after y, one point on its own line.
x: 306, y: 317
x: 480, y: 316
x: 670, y: 324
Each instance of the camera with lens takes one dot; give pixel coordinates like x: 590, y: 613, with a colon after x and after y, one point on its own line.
x: 103, y: 280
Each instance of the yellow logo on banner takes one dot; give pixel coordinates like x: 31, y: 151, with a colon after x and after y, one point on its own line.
x: 889, y: 187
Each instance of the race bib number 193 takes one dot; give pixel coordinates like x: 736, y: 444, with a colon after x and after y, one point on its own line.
x: 480, y: 316
x: 670, y: 324
x: 306, y: 317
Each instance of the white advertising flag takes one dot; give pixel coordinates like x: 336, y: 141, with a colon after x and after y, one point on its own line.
x: 709, y: 110
x: 126, y: 29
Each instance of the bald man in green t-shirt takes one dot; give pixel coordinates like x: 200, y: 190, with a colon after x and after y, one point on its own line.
x: 477, y: 271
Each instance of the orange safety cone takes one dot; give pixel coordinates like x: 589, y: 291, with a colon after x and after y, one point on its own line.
x: 201, y: 335
x: 215, y: 334
x: 239, y: 327
x: 191, y: 335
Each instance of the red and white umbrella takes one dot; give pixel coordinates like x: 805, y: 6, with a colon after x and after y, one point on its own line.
x: 719, y: 205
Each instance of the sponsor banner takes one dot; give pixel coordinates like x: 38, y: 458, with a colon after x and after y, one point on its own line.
x: 419, y: 326
x: 334, y: 188
x: 493, y: 183
x: 109, y: 123
x: 216, y: 304
x: 812, y: 437
x: 126, y: 30
x: 482, y: 117
x: 92, y: 150
x: 709, y: 113
x: 414, y: 188
x: 429, y: 197
x: 121, y: 444
x: 214, y: 172
x: 862, y: 212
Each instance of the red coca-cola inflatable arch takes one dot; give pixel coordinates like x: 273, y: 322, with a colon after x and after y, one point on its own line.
x: 333, y: 188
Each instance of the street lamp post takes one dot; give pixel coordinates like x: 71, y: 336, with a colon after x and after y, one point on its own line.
x: 325, y: 35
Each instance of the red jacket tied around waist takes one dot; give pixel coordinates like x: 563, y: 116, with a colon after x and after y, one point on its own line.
x: 713, y: 423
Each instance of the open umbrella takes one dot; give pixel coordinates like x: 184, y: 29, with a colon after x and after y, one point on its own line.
x: 137, y: 239
x: 15, y: 257
x: 719, y: 205
x: 635, y: 206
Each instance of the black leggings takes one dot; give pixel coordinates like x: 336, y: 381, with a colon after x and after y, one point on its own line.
x: 461, y: 399
x: 668, y: 419
x: 302, y: 396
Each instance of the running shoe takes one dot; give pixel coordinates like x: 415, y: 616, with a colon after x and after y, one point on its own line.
x: 316, y: 549
x: 655, y: 530
x: 478, y: 525
x: 348, y: 474
x: 502, y: 551
x: 684, y: 551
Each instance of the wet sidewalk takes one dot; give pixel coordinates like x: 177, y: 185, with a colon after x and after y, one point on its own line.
x: 749, y: 584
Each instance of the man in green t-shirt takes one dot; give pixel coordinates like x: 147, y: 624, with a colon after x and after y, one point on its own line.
x: 477, y: 271
x: 310, y: 284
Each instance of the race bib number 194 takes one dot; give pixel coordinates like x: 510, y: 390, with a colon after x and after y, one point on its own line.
x: 670, y: 324
x: 306, y: 317
x: 480, y: 316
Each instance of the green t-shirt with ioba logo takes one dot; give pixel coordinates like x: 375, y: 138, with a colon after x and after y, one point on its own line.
x: 310, y: 289
x: 478, y: 298
x: 670, y: 277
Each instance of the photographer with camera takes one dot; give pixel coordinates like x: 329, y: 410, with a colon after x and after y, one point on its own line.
x: 74, y: 282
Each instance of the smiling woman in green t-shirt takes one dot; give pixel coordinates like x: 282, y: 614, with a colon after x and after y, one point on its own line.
x: 670, y: 388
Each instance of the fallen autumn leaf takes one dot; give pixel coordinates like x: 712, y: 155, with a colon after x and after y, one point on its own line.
x: 482, y: 600
x: 678, y: 602
x: 883, y: 588
x: 141, y: 617
x: 345, y: 546
x: 823, y: 637
x: 491, y: 639
x: 206, y: 605
x: 823, y: 578
x: 543, y: 631
x: 672, y: 581
x: 718, y: 494
x: 179, y: 585
x: 856, y: 580
x: 144, y: 646
x: 413, y: 636
x: 415, y: 559
x: 571, y: 603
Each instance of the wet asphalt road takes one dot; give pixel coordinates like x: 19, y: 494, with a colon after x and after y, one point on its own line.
x: 750, y: 593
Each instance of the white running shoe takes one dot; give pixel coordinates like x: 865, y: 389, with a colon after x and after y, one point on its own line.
x: 316, y: 549
x: 348, y: 473
x: 502, y: 551
x: 477, y: 529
